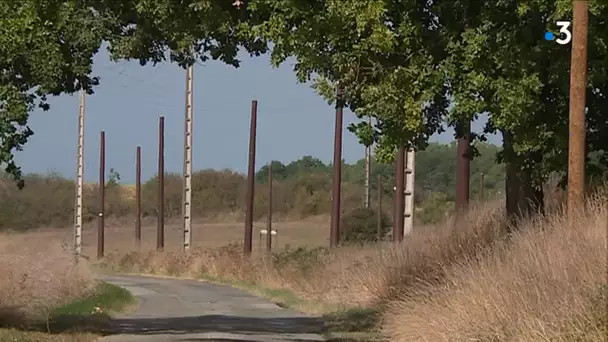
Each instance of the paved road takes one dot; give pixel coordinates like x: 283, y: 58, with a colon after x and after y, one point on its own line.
x: 189, y: 310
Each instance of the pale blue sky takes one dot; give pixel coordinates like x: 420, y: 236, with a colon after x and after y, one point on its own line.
x: 293, y: 121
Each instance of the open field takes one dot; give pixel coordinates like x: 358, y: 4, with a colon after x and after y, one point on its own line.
x: 121, y: 237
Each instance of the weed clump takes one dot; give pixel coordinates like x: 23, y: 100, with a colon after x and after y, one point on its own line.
x: 360, y: 225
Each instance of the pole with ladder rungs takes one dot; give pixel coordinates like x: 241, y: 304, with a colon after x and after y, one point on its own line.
x: 408, y: 213
x: 187, y: 191
x: 79, y: 179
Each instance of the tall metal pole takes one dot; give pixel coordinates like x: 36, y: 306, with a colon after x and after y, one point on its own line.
x: 251, y: 180
x: 269, y: 223
x: 578, y: 80
x: 160, y: 228
x: 367, y: 169
x: 409, y: 207
x: 379, y: 213
x: 187, y: 191
x: 398, y: 227
x: 102, y: 190
x: 337, y: 176
x: 79, y: 179
x: 138, y: 196
x: 481, y: 186
x: 463, y: 170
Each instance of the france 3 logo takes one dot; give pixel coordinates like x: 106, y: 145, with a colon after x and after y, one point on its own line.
x: 564, y: 37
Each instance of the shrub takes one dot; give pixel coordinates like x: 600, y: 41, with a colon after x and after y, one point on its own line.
x: 361, y: 226
x: 302, y: 258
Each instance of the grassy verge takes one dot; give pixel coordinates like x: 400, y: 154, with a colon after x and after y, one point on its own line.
x: 106, y: 300
x: 81, y: 320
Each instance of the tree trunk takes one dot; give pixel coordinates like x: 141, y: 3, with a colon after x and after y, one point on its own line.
x: 524, y: 193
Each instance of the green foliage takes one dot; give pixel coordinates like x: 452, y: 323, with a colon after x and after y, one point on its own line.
x: 106, y: 297
x: 360, y: 225
x: 435, y: 208
x: 46, y: 48
x: 113, y: 179
x: 300, y: 189
x: 304, y: 259
x: 403, y: 61
x: 400, y: 62
x: 381, y: 53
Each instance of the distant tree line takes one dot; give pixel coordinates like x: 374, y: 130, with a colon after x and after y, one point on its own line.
x: 301, y: 188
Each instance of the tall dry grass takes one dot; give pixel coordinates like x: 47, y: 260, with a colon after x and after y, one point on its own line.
x: 350, y: 276
x: 548, y: 283
x: 36, y: 277
x: 473, y: 279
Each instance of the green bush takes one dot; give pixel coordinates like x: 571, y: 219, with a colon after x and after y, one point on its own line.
x: 302, y: 258
x: 361, y: 226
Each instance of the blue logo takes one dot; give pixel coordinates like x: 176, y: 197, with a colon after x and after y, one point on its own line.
x: 549, y: 36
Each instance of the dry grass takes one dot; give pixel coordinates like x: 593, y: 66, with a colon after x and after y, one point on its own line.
x: 467, y: 281
x: 549, y: 283
x: 349, y: 276
x: 36, y: 277
x: 120, y: 235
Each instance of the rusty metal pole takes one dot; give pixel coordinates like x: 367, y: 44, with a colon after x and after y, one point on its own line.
x: 399, y: 226
x: 576, y: 123
x: 160, y: 228
x: 251, y: 179
x: 138, y: 196
x: 334, y: 238
x: 481, y: 187
x: 367, y: 170
x: 463, y: 170
x: 102, y: 188
x: 269, y: 224
x: 379, y: 213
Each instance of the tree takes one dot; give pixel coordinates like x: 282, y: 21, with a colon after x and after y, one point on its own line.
x: 499, y: 64
x: 380, y: 52
x: 46, y: 48
x: 401, y: 61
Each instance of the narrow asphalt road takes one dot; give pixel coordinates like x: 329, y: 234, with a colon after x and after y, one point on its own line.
x: 189, y: 310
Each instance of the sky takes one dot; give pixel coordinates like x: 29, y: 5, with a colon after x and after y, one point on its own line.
x: 293, y: 120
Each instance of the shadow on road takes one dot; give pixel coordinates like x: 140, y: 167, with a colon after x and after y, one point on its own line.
x: 214, y: 323
x: 178, y: 326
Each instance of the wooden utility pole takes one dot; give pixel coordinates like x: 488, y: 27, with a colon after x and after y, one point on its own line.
x: 251, y: 179
x: 408, y: 213
x: 367, y: 168
x: 102, y: 191
x: 160, y: 225
x: 578, y: 81
x: 79, y: 179
x: 379, y: 213
x: 334, y: 236
x: 463, y: 169
x: 269, y: 223
x: 481, y: 186
x: 187, y: 177
x: 138, y: 196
